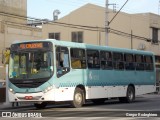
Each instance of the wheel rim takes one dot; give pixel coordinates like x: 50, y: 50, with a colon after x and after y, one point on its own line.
x: 78, y: 98
x: 130, y: 95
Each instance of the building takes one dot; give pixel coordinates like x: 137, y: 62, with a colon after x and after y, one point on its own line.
x: 137, y: 31
x: 86, y: 24
x: 14, y: 27
x: 13, y: 10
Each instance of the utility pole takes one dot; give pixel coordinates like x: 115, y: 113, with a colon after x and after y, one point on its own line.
x: 131, y: 39
x: 106, y: 23
x: 159, y: 8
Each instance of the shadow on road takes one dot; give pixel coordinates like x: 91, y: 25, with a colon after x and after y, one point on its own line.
x: 109, y: 103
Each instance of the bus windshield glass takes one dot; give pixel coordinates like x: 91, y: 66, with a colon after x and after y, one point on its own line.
x: 30, y: 65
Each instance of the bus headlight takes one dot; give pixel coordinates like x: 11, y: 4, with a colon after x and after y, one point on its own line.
x: 11, y: 90
x: 48, y: 89
x: 45, y: 90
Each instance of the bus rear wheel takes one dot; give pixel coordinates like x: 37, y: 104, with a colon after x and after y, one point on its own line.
x: 130, y: 96
x: 78, y: 98
x: 41, y: 105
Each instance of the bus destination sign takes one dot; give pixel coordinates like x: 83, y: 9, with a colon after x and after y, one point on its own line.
x: 31, y: 45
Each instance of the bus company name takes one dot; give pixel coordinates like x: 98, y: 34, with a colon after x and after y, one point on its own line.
x: 21, y: 115
x: 31, y: 45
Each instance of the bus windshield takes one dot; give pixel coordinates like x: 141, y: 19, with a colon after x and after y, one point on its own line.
x: 30, y: 65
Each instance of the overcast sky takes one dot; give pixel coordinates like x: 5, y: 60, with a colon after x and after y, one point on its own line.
x: 43, y: 9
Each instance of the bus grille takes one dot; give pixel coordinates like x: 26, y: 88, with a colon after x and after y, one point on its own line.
x: 28, y: 83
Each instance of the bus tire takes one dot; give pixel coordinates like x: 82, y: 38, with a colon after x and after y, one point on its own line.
x: 41, y: 105
x: 130, y: 94
x: 78, y: 98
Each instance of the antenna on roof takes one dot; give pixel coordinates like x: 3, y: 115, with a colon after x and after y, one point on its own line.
x: 55, y: 14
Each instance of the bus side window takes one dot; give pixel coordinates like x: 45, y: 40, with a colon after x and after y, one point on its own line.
x: 93, y: 59
x: 62, y: 61
x: 118, y: 61
x: 139, y: 62
x: 129, y: 64
x: 78, y: 60
x: 106, y: 60
x: 148, y: 63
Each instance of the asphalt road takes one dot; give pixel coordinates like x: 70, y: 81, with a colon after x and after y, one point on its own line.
x: 145, y: 106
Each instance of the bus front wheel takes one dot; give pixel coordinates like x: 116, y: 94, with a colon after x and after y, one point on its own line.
x: 78, y: 98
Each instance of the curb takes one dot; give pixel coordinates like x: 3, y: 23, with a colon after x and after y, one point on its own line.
x: 11, y: 105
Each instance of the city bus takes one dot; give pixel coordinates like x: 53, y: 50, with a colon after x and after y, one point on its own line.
x: 46, y: 71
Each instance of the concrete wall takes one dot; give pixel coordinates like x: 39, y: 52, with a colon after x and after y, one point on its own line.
x: 14, y: 8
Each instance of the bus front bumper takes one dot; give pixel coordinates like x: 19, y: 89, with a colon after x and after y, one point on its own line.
x: 59, y: 94
x: 26, y: 97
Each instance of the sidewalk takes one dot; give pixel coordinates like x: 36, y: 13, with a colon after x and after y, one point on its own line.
x: 5, y: 105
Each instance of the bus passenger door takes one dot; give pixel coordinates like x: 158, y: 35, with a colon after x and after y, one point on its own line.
x: 62, y: 61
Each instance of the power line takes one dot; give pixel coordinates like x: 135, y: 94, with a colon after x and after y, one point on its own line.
x: 117, y: 12
x: 129, y: 35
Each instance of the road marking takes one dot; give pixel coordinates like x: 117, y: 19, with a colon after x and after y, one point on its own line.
x: 65, y: 118
x: 94, y: 118
x: 113, y: 118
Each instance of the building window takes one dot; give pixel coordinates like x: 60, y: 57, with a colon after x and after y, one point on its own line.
x: 54, y: 36
x: 154, y: 35
x: 157, y: 59
x: 77, y: 37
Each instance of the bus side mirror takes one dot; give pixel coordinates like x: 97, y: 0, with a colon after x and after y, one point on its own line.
x: 5, y: 56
